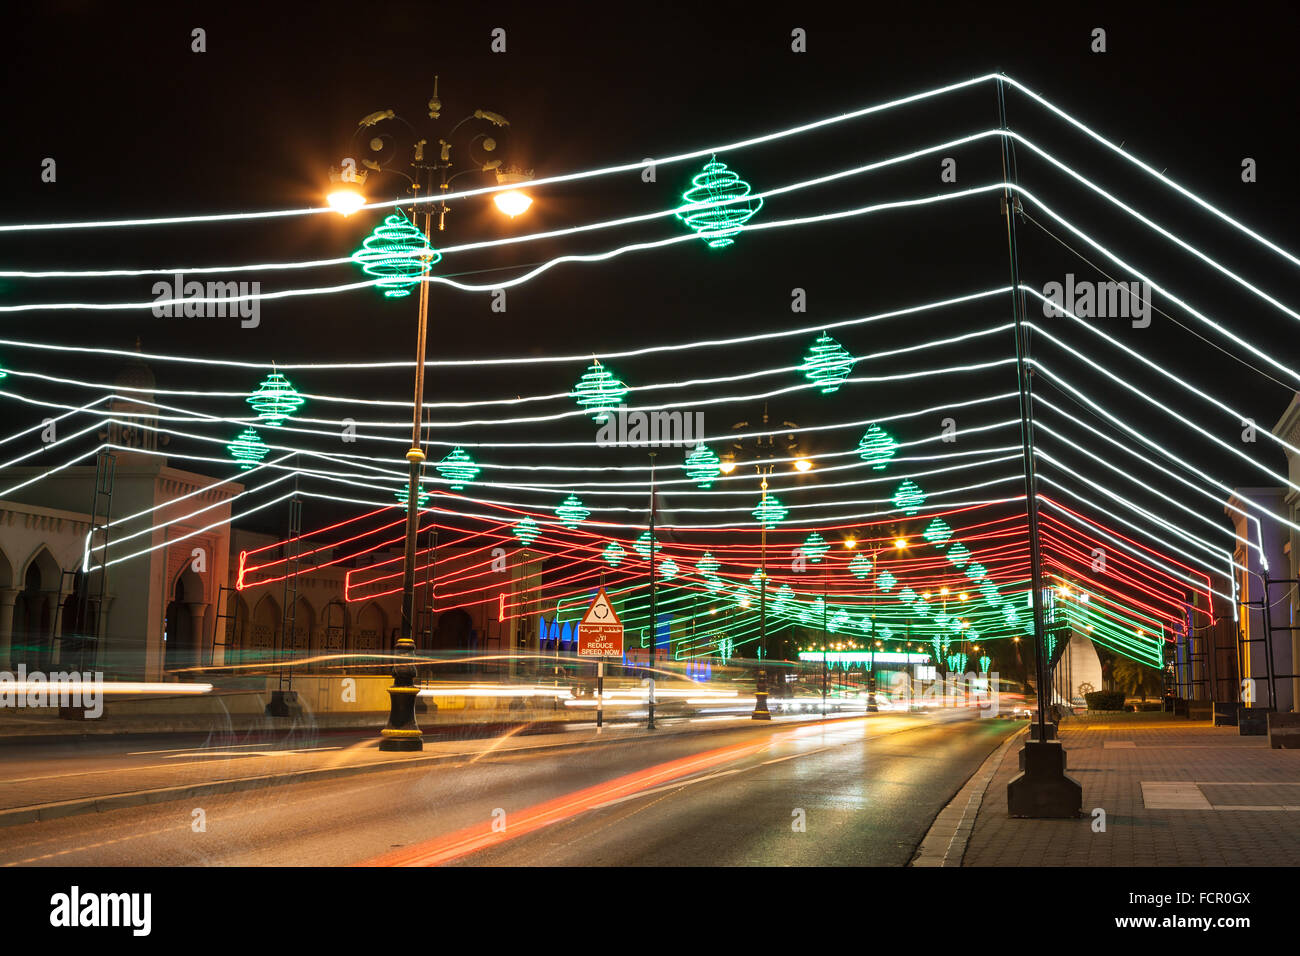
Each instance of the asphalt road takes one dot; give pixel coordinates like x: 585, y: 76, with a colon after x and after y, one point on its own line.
x: 855, y: 792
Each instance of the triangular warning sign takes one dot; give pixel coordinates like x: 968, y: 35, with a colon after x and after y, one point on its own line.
x: 601, y: 611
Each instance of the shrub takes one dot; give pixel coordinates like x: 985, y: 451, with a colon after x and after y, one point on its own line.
x: 1105, y: 700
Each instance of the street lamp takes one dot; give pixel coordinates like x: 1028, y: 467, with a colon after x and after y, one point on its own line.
x: 762, y: 449
x: 402, y: 732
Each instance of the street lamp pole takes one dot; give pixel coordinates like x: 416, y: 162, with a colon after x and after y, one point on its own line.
x: 760, y: 691
x: 654, y: 623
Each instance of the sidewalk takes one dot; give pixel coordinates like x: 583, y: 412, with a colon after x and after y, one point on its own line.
x: 30, y: 792
x: 1175, y: 793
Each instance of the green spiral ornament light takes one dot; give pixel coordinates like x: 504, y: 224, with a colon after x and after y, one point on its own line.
x: 885, y: 580
x: 959, y: 554
x: 571, y: 512
x: 718, y: 224
x: 667, y: 569
x: 599, y: 391
x: 860, y: 566
x: 458, y: 468
x: 526, y: 530
x: 703, y: 466
x: 976, y: 572
x: 985, y: 663
x: 909, y: 498
x: 827, y: 364
x: 248, y: 448
x: 642, y: 545
x: 275, y: 399
x: 877, y: 447
x: 937, y: 532
x: 707, y: 565
x: 770, y: 512
x: 403, y: 495
x: 614, y: 554
x: 815, y: 547
x: 396, y: 255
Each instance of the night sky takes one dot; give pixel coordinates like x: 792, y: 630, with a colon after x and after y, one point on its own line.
x: 141, y: 126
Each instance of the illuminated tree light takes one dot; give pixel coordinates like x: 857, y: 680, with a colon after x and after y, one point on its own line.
x: 717, y: 224
x: 860, y: 566
x: 708, y: 564
x: 815, y: 547
x: 877, y: 447
x: 937, y: 532
x: 712, y: 582
x: 599, y: 391
x: 275, y: 399
x: 642, y: 545
x: 703, y: 466
x: 885, y: 581
x: 526, y: 530
x: 985, y: 663
x: 784, y: 598
x: 397, y: 255
x: 458, y: 468
x: 770, y: 512
x: 959, y: 554
x: 247, y: 448
x: 957, y: 662
x: 976, y: 571
x: 613, y: 554
x: 571, y: 512
x: 667, y: 569
x: 827, y: 364
x: 907, y: 596
x: 909, y: 498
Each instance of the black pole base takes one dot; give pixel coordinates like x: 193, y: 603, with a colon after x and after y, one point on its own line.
x: 1042, y: 788
x: 402, y: 733
x: 760, y: 707
x: 283, y: 703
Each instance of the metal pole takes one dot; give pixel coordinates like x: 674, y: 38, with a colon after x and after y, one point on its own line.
x: 654, y: 622
x: 402, y: 732
x: 600, y: 695
x: 760, y: 688
x: 1025, y: 378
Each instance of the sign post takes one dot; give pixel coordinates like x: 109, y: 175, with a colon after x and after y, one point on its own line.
x: 600, y: 635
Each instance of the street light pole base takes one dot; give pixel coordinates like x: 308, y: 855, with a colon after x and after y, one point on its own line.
x: 402, y: 733
x: 760, y: 707
x: 1042, y: 789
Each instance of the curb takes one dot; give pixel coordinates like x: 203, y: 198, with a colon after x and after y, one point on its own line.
x: 944, y: 844
x: 135, y: 798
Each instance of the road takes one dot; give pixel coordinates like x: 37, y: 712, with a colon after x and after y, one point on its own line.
x: 855, y: 792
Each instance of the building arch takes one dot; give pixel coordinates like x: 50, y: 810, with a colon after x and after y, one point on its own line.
x: 182, y: 632
x: 35, y: 610
x: 265, y: 628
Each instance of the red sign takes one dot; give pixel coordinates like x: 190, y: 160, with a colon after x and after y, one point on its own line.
x: 600, y: 632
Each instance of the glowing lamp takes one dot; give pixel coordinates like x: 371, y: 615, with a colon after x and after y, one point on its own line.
x: 345, y: 200
x: 803, y: 464
x: 513, y: 202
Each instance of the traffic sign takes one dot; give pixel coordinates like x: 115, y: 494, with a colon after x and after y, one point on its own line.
x: 600, y: 632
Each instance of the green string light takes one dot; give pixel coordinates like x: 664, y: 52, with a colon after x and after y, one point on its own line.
x: 397, y: 255
x: 526, y: 530
x: 571, y: 512
x: 827, y: 364
x: 642, y: 545
x: 703, y: 466
x: 275, y: 399
x: 815, y: 547
x: 877, y: 447
x: 985, y: 663
x: 458, y: 468
x: 403, y: 495
x: 248, y: 448
x: 599, y: 392
x: 860, y: 566
x: 614, y: 554
x: 770, y: 512
x: 937, y: 532
x: 717, y: 224
x: 909, y: 498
